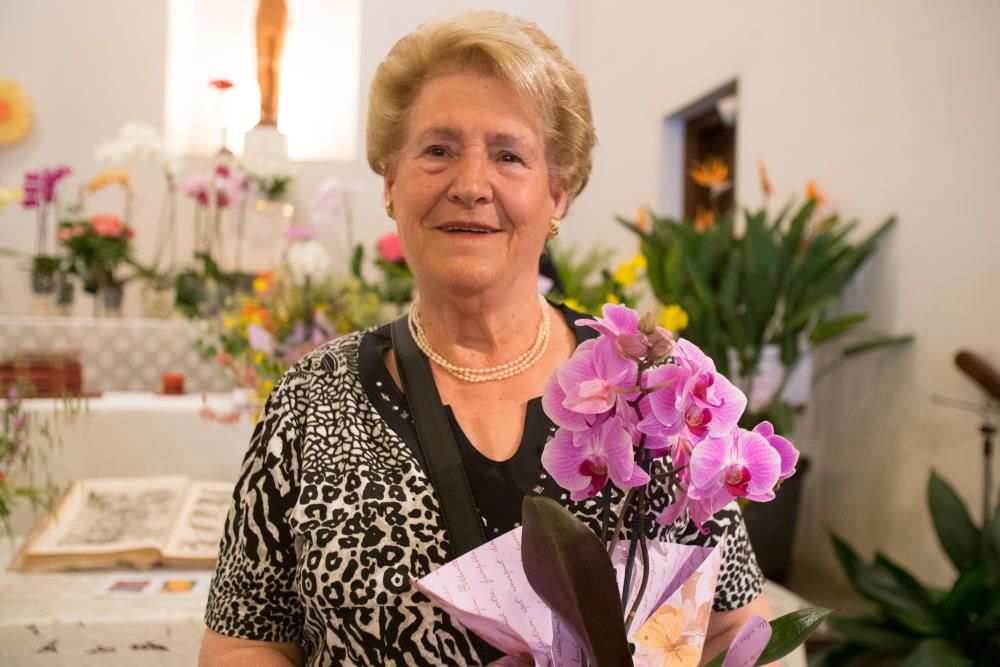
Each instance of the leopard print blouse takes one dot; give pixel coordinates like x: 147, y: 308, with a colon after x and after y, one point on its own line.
x: 333, y: 517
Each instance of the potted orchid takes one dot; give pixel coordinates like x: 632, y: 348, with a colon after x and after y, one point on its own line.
x: 636, y: 407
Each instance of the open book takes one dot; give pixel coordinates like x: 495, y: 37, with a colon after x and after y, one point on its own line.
x: 138, y: 521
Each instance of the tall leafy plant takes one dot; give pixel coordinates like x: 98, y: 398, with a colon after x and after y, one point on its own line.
x: 772, y: 280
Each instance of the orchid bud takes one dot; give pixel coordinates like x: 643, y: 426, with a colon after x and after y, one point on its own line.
x: 647, y: 324
x: 661, y: 345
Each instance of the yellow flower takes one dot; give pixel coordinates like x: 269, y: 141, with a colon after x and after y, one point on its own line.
x: 10, y: 196
x: 573, y: 304
x: 229, y: 322
x: 611, y: 298
x: 106, y: 178
x: 664, y: 632
x: 258, y: 358
x: 15, y: 112
x: 259, y: 285
x: 673, y: 318
x: 711, y: 174
x: 627, y: 273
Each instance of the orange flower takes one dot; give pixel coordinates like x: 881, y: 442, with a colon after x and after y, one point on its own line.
x: 765, y: 182
x: 642, y: 218
x: 106, y: 178
x: 813, y: 192
x: 704, y: 219
x: 221, y: 84
x: 712, y: 174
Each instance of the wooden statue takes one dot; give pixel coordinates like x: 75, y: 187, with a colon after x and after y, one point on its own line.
x: 272, y: 19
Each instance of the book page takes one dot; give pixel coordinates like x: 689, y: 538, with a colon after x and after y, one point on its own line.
x: 113, y: 515
x: 200, y: 522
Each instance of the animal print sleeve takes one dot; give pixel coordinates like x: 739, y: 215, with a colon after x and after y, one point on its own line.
x: 252, y: 594
x: 740, y: 578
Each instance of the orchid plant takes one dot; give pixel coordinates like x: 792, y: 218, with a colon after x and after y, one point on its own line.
x: 633, y: 396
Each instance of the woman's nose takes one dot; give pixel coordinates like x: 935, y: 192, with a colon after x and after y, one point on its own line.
x: 471, y: 185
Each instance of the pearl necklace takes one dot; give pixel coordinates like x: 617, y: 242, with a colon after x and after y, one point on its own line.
x: 501, y: 372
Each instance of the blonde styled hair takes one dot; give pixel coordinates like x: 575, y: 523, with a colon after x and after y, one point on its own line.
x: 508, y: 47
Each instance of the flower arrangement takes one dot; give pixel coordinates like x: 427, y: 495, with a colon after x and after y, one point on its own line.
x: 19, y: 454
x: 290, y: 312
x: 214, y: 191
x: 96, y: 249
x: 774, y: 281
x: 634, y: 407
x: 272, y: 178
x: 40, y: 193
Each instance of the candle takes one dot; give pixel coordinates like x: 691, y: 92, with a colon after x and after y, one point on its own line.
x: 173, y: 383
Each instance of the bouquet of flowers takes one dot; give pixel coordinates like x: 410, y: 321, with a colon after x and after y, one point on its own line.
x: 290, y: 312
x: 636, y: 407
x: 97, y: 247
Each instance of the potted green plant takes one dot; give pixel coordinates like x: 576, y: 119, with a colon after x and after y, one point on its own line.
x: 97, y: 248
x: 768, y: 284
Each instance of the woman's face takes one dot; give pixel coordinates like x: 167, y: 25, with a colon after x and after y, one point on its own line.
x: 471, y: 190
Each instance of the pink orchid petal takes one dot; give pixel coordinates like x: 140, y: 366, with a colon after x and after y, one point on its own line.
x: 561, y: 458
x: 673, y: 511
x: 732, y: 403
x: 761, y: 459
x: 708, y: 462
x: 552, y: 404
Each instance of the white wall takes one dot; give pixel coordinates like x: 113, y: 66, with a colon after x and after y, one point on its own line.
x: 891, y: 106
x: 91, y: 66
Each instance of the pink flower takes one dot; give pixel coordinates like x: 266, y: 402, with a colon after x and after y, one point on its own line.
x: 582, y: 462
x: 594, y: 376
x: 32, y: 189
x: 744, y: 465
x: 621, y: 324
x: 389, y: 248
x: 107, y: 225
x: 65, y: 233
x: 698, y: 402
x: 260, y: 339
x: 786, y: 450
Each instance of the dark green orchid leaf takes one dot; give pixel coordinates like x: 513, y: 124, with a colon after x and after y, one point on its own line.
x: 936, y: 652
x: 876, y: 632
x: 884, y: 586
x: 964, y: 603
x: 788, y: 632
x: 568, y: 567
x: 827, y: 329
x: 958, y: 535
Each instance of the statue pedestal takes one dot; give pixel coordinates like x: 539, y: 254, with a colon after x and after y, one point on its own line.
x: 265, y: 141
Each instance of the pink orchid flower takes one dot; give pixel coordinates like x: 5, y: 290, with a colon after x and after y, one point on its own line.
x: 620, y: 324
x: 582, y: 462
x: 786, y: 450
x: 260, y: 339
x: 594, y: 376
x: 744, y: 465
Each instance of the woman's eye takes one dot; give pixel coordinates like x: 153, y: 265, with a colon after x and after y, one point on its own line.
x: 509, y: 157
x: 436, y: 151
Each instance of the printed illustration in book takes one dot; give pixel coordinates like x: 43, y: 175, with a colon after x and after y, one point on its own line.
x: 138, y: 521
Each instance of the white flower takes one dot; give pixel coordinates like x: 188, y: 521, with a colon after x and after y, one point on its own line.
x: 136, y: 141
x: 307, y: 260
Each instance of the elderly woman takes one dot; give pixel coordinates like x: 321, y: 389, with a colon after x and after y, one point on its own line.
x: 482, y: 132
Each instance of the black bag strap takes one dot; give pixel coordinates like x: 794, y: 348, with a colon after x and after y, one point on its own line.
x: 438, y: 447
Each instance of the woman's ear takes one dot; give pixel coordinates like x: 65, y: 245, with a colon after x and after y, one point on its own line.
x: 560, y: 200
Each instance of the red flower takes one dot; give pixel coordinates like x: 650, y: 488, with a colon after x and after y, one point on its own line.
x: 108, y: 225
x: 389, y: 248
x: 221, y: 84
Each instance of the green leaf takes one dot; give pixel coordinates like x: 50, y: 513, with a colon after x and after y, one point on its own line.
x: 788, y: 632
x: 826, y: 330
x: 568, y: 567
x: 875, y: 632
x: 886, y: 587
x: 936, y: 652
x: 962, y: 605
x: 958, y: 535
x: 875, y: 343
x: 356, y: 259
